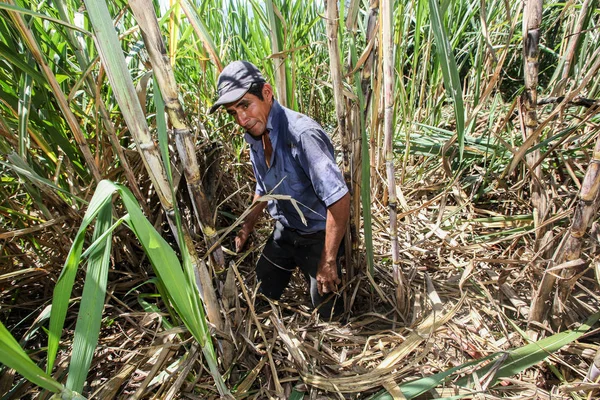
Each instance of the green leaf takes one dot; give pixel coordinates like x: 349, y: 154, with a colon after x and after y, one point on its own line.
x: 89, y: 317
x: 24, y: 11
x: 417, y: 387
x: 449, y: 71
x: 182, y: 292
x: 18, y: 165
x: 16, y: 59
x: 13, y: 356
x: 296, y: 395
x: 24, y: 107
x: 64, y: 286
x: 524, y: 357
x: 166, y: 265
x: 518, y: 360
x: 202, y: 32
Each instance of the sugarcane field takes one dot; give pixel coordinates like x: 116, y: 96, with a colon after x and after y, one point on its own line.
x: 303, y: 200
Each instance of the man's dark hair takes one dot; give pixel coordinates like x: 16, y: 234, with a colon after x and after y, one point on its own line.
x: 256, y: 89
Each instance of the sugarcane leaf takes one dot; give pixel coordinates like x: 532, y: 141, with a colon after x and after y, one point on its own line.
x: 420, y: 386
x: 18, y: 165
x: 166, y: 265
x: 24, y: 106
x: 98, y: 242
x: 519, y: 360
x: 202, y: 33
x: 16, y: 59
x: 449, y: 71
x: 25, y: 11
x: 161, y: 126
x: 181, y: 289
x: 89, y: 317
x: 181, y: 292
x: 524, y: 357
x: 13, y: 356
x: 296, y: 395
x: 64, y: 285
x: 365, y: 197
x: 114, y: 61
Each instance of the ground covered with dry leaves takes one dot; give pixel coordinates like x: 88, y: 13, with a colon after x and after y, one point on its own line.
x: 470, y: 277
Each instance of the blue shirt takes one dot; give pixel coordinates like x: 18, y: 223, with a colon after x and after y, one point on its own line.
x: 302, y: 166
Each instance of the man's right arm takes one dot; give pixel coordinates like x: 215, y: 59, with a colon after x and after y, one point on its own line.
x: 249, y: 222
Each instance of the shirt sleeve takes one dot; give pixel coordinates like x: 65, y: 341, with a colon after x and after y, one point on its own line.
x: 316, y: 158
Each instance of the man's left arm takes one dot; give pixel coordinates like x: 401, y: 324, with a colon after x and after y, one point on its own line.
x: 337, y: 218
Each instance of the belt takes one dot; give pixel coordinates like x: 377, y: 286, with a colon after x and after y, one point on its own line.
x: 304, y: 234
x: 314, y: 234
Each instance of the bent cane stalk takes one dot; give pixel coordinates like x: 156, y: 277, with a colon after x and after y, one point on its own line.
x: 146, y: 17
x: 118, y: 74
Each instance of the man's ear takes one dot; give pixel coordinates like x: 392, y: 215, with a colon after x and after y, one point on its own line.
x: 267, y: 92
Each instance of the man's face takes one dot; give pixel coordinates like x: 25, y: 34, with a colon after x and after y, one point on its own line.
x: 252, y: 113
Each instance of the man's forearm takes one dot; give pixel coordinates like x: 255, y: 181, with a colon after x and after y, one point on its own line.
x: 256, y: 212
x: 249, y: 222
x: 337, y: 219
x: 335, y: 228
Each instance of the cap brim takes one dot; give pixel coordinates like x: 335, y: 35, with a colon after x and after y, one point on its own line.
x: 229, y: 97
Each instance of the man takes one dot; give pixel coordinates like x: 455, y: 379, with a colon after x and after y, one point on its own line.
x: 290, y: 155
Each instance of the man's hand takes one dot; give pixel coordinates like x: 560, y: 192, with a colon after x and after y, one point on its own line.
x: 337, y: 218
x: 241, y: 238
x: 249, y: 222
x: 327, y: 277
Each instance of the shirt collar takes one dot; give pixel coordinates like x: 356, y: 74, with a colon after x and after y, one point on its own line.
x: 273, y: 120
x: 272, y: 125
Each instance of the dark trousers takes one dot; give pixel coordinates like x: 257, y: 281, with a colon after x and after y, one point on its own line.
x: 286, y: 249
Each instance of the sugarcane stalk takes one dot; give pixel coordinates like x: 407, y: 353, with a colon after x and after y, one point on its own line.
x: 359, y: 160
x: 358, y: 175
x: 116, y: 68
x: 125, y: 94
x: 388, y: 118
x: 570, y: 248
x: 532, y: 16
x: 57, y: 91
x: 147, y: 20
x: 335, y: 69
x: 174, y: 23
x: 594, y: 371
x: 572, y: 45
x: 145, y: 15
x: 332, y: 25
x: 531, y: 32
x: 375, y: 139
x: 127, y: 99
x: 371, y: 92
x: 359, y: 169
x: 277, y: 48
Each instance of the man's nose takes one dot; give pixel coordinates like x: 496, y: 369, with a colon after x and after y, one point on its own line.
x: 242, y: 118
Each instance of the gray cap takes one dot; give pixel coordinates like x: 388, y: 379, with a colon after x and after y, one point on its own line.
x: 234, y: 81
